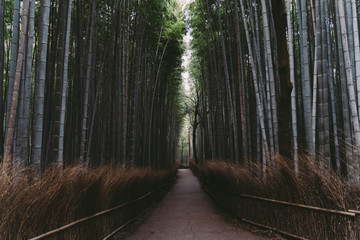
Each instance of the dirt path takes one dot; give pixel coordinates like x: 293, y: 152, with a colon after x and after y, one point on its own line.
x: 188, y: 213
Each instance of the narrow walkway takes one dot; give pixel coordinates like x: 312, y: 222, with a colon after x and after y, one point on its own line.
x: 188, y: 213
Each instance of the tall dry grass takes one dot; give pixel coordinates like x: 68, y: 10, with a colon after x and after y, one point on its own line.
x: 313, y: 186
x: 32, y: 206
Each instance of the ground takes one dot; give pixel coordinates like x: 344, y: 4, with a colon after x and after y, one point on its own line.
x: 188, y: 213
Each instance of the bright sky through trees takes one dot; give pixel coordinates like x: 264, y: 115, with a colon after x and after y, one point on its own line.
x: 186, y: 61
x: 187, y: 55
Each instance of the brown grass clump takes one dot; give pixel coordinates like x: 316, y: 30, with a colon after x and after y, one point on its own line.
x: 314, y: 186
x: 30, y: 207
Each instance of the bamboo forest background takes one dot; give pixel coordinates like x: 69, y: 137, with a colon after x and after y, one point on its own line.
x: 100, y: 81
x: 277, y: 77
x: 90, y: 81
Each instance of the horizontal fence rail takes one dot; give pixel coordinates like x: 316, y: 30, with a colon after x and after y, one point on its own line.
x: 351, y: 213
x: 102, y: 213
x: 249, y: 207
x: 127, y: 223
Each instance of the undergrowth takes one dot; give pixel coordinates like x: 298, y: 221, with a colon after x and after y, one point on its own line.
x: 32, y: 206
x: 313, y: 185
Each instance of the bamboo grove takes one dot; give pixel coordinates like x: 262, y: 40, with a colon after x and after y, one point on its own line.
x: 277, y: 77
x: 90, y: 81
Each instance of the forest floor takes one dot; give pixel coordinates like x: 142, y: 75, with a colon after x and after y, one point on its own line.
x: 188, y: 213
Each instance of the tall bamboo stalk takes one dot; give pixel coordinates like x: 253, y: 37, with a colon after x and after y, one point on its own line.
x: 353, y: 164
x: 64, y: 87
x: 266, y: 156
x: 15, y: 94
x: 293, y: 92
x: 39, y: 89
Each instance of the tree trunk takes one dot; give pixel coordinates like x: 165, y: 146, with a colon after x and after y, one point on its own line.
x: 240, y: 70
x: 27, y: 90
x: 39, y: 89
x: 286, y: 85
x: 135, y: 118
x: 293, y: 92
x: 126, y: 84
x: 15, y: 94
x: 269, y: 59
x: 357, y: 50
x: 259, y: 104
x: 325, y: 86
x: 332, y: 95
x: 353, y: 164
x: 2, y: 68
x: 347, y: 143
x: 87, y: 85
x: 54, y: 109
x: 64, y: 88
x: 153, y: 102
x: 228, y: 87
x: 306, y: 79
x: 13, y: 60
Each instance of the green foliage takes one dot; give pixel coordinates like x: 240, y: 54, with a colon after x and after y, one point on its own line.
x: 9, y: 5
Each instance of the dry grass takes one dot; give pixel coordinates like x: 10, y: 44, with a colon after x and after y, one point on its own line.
x: 313, y: 186
x: 30, y: 207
